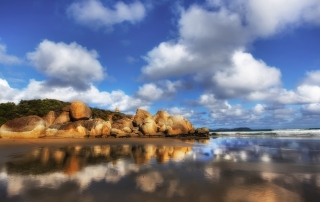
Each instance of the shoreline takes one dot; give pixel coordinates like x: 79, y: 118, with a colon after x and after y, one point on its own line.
x: 87, y: 141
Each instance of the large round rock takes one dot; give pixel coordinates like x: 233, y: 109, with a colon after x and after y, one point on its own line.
x: 140, y: 116
x: 24, y: 127
x: 79, y: 111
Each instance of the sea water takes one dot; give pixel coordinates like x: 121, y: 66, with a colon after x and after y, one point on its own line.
x: 217, y: 169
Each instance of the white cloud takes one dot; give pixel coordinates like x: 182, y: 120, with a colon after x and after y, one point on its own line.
x: 187, y: 113
x: 312, y: 78
x: 209, y: 101
x: 284, y: 113
x: 92, y: 96
x: 205, y: 43
x: 305, y: 93
x: 244, y: 76
x: 67, y: 64
x: 7, y: 59
x: 158, y: 91
x: 224, y: 114
x: 211, y: 47
x: 221, y: 110
x: 7, y: 93
x: 150, y: 92
x: 311, y: 109
x: 94, y: 14
x: 259, y: 109
x: 168, y: 60
x: 266, y: 18
x: 260, y: 22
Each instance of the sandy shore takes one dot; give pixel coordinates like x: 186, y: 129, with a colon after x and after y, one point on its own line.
x: 6, y: 143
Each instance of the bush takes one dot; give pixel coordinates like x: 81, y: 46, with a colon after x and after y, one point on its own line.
x: 10, y: 110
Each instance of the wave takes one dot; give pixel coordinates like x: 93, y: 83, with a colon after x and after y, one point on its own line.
x: 277, y: 133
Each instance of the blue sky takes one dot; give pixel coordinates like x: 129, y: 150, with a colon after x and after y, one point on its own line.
x: 233, y: 63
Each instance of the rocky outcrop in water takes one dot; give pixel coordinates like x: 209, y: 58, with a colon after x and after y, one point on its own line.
x: 75, y: 122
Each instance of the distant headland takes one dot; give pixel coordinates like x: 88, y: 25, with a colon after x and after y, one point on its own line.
x: 51, y: 118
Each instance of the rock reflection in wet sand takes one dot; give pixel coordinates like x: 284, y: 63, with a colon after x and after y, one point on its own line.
x: 225, y: 169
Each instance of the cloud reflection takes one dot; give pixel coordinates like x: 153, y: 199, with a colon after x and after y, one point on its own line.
x: 148, y: 182
x: 225, y: 169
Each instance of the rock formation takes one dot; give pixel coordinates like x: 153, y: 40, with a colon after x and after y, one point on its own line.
x: 139, y: 117
x: 75, y: 122
x: 24, y: 127
x: 50, y: 118
x: 64, y: 117
x: 202, y: 131
x: 79, y: 111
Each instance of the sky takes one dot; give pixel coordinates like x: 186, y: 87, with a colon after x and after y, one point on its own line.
x: 219, y: 63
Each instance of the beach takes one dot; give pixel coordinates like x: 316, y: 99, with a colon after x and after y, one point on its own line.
x: 157, y: 169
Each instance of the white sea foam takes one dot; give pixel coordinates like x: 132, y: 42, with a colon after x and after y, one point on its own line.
x: 278, y: 133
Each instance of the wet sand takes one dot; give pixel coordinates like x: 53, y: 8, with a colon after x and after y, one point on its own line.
x: 10, y: 147
x: 160, y: 169
x: 7, y: 143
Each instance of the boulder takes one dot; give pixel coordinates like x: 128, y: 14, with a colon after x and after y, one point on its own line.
x: 136, y: 134
x: 140, y: 116
x: 100, y: 128
x: 161, y: 119
x: 70, y: 130
x: 106, y: 129
x: 62, y: 118
x: 24, y: 127
x: 135, y: 129
x: 49, y: 118
x: 117, y: 132
x: 122, y: 123
x: 174, y: 132
x: 79, y: 111
x: 149, y: 126
x: 126, y: 130
x: 178, y: 122
x: 192, y: 131
x: 80, y: 129
x: 202, y: 131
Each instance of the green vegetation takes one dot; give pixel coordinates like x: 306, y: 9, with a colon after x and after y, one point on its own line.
x: 106, y: 114
x: 10, y: 110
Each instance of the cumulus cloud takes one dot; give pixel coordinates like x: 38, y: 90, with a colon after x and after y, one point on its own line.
x: 307, y: 92
x: 7, y: 93
x: 7, y: 59
x: 182, y: 112
x: 259, y: 109
x: 261, y: 22
x: 311, y: 109
x: 265, y: 23
x: 224, y: 114
x: 312, y: 78
x: 93, y: 13
x: 212, y: 46
x: 67, y: 64
x: 244, y: 76
x: 207, y: 39
x: 92, y: 96
x: 158, y: 91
